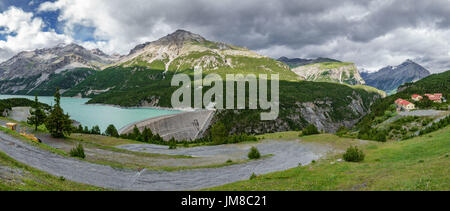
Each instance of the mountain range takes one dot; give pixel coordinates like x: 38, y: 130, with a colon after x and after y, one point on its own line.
x: 296, y: 62
x: 390, y: 78
x: 143, y: 78
x: 26, y: 72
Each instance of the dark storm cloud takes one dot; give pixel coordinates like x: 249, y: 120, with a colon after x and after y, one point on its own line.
x: 384, y: 31
x: 401, y: 14
x: 261, y: 23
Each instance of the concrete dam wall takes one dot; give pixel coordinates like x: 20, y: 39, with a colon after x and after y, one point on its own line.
x: 183, y: 126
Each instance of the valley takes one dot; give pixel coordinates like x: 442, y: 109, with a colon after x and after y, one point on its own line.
x: 132, y: 138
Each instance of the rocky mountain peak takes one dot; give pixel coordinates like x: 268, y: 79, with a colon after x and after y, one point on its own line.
x: 409, y: 61
x: 98, y: 52
x: 50, y: 60
x: 391, y: 77
x: 177, y: 38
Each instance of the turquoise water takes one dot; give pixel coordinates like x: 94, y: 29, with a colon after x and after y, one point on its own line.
x: 101, y: 115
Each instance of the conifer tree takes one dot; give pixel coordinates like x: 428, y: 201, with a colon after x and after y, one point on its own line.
x: 58, y: 123
x: 38, y: 116
x: 112, y: 131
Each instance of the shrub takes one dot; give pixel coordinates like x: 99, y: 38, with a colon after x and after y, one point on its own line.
x: 414, y: 129
x: 78, y: 152
x: 253, y: 176
x: 380, y: 136
x: 219, y: 133
x: 254, y: 154
x: 172, y: 143
x: 310, y: 130
x: 354, y: 154
x: 342, y: 131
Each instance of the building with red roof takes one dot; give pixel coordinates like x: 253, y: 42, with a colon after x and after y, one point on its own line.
x: 437, y: 97
x: 416, y: 97
x: 404, y: 105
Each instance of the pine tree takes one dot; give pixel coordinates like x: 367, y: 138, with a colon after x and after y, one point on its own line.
x: 57, y: 122
x: 86, y: 130
x: 80, y: 129
x: 136, y: 135
x: 112, y: 131
x: 37, y: 115
x: 147, y: 135
x: 96, y: 130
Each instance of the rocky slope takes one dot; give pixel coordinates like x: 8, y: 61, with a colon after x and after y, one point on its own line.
x: 184, y: 50
x: 26, y: 71
x: 296, y: 62
x: 338, y: 72
x: 150, y: 66
x: 390, y: 78
x: 304, y: 103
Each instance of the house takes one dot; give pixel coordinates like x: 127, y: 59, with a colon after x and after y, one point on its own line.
x: 437, y: 97
x: 416, y: 97
x: 404, y: 105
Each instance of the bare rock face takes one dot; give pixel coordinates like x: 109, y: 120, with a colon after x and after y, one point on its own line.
x: 321, y: 113
x: 29, y: 69
x: 318, y: 113
x: 338, y: 72
x: 183, y: 43
x: 178, y: 38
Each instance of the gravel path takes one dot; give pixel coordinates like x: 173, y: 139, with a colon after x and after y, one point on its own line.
x: 431, y: 124
x: 287, y: 154
x: 419, y: 113
x: 20, y: 113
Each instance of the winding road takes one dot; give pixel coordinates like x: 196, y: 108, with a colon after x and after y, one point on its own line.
x: 286, y: 155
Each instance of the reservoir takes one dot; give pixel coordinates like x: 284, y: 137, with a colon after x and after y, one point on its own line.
x: 101, y: 115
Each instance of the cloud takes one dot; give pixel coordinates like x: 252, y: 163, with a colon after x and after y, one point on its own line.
x: 372, y: 33
x: 22, y: 32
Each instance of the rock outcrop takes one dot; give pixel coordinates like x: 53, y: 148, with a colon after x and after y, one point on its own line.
x: 338, y: 72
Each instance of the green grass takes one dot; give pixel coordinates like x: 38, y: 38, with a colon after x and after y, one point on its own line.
x: 419, y: 164
x: 103, y: 140
x: 27, y: 178
x: 289, y: 135
x: 369, y: 89
x: 220, y: 165
x: 331, y: 65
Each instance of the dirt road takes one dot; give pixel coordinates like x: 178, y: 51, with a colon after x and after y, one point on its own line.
x: 286, y: 154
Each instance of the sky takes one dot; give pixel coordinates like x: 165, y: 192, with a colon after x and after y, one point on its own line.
x: 371, y: 33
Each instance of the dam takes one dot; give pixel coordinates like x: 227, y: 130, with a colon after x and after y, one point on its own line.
x: 181, y: 126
